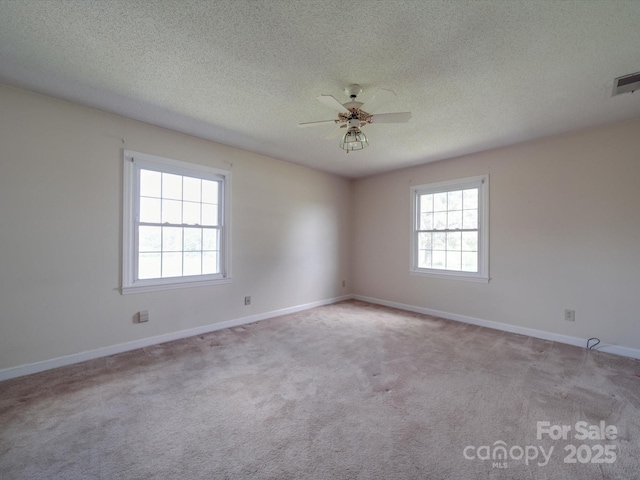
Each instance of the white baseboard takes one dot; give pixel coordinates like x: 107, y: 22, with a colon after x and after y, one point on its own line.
x: 531, y: 332
x: 31, y: 368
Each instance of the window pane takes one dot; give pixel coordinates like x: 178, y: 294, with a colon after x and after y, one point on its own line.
x: 210, y: 263
x: 454, y: 200
x: 192, y: 239
x: 453, y: 261
x: 172, y: 239
x: 150, y: 183
x: 438, y: 259
x: 470, y: 241
x: 440, y: 202
x: 424, y: 240
x: 440, y: 220
x: 149, y: 239
x: 439, y: 240
x: 171, y: 264
x: 454, y: 219
x: 209, y: 191
x: 470, y: 219
x: 191, y: 189
x: 148, y: 265
x: 172, y: 186
x: 209, y: 214
x: 192, y: 263
x: 209, y: 239
x: 426, y: 221
x: 453, y: 240
x: 470, y: 198
x: 191, y: 213
x: 171, y: 211
x: 150, y: 210
x: 469, y: 262
x: 424, y: 260
x: 426, y: 203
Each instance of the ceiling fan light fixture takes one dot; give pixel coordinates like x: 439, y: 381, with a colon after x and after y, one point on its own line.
x: 354, y: 139
x: 354, y: 115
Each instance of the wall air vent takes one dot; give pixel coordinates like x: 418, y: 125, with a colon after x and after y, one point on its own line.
x: 626, y: 83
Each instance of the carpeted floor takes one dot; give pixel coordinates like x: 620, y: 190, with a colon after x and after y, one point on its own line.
x: 346, y: 391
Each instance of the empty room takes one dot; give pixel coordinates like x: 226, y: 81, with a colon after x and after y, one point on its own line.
x: 301, y: 239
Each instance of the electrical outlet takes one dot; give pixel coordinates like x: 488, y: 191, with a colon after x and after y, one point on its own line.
x: 570, y: 315
x: 247, y: 300
x: 344, y: 283
x: 143, y: 316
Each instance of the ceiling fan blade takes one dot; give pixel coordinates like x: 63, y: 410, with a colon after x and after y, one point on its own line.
x: 331, y: 102
x: 399, y: 117
x: 336, y: 132
x: 379, y: 100
x: 313, y: 124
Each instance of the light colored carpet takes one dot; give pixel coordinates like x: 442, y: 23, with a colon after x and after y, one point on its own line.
x: 346, y: 391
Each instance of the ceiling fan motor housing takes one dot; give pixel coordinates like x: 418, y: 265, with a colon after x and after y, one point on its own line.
x: 353, y: 90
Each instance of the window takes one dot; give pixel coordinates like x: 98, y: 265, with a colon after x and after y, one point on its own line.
x: 450, y: 232
x: 176, y: 224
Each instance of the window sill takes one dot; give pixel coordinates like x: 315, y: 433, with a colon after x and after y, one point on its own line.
x: 144, y: 288
x: 450, y: 276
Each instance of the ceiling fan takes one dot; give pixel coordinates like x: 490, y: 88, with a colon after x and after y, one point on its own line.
x: 354, y: 115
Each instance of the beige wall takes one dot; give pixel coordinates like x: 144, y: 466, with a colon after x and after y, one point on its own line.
x: 564, y: 227
x: 60, y: 232
x: 564, y: 233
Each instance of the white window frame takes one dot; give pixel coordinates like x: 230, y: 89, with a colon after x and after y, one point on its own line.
x: 133, y: 162
x: 482, y: 183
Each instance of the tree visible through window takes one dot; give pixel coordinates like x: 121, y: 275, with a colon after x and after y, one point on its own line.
x: 450, y: 234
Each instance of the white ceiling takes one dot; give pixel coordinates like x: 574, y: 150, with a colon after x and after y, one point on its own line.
x: 474, y: 74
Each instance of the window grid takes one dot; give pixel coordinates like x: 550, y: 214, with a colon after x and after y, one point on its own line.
x: 194, y: 231
x: 209, y: 262
x: 450, y: 229
x: 441, y: 247
x: 167, y: 261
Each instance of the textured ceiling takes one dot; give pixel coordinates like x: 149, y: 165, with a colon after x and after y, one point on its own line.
x: 474, y: 74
